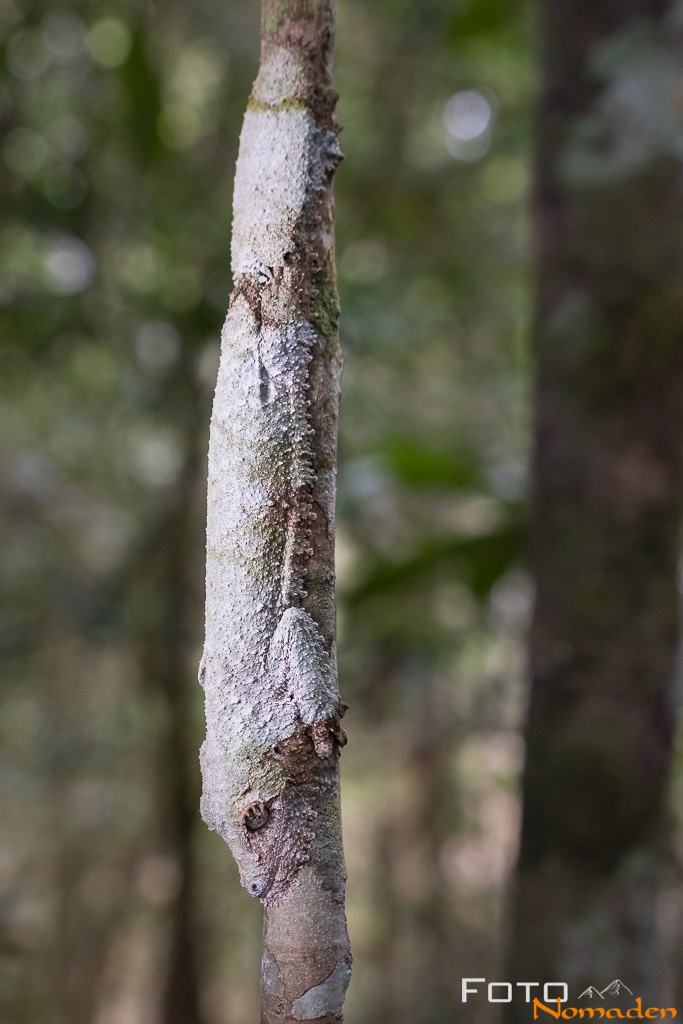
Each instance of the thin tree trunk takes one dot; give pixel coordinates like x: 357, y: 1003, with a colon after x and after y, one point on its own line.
x: 270, y: 761
x: 607, y: 498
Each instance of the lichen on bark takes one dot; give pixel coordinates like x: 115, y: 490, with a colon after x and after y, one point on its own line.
x: 270, y: 760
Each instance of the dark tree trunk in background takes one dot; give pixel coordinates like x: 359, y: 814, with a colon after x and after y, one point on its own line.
x: 606, y: 505
x: 166, y: 650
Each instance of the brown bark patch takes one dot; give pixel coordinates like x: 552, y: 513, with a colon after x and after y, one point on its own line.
x: 299, y: 754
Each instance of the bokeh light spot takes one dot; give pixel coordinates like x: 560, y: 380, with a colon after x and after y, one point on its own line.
x: 467, y: 115
x: 109, y: 42
x: 67, y: 137
x: 199, y: 73
x: 68, y: 266
x: 157, y: 344
x: 63, y: 34
x: 27, y: 56
x: 158, y: 459
x: 180, y: 125
x: 468, y: 119
x: 26, y: 152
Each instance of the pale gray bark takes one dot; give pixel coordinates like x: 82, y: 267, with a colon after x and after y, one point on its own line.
x: 270, y: 761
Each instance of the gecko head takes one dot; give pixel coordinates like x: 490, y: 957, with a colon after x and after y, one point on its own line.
x: 254, y: 874
x: 250, y: 847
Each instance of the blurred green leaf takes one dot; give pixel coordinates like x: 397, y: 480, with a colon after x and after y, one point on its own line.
x: 420, y: 465
x: 477, y: 562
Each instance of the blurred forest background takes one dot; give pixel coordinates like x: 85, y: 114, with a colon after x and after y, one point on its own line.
x: 119, y: 124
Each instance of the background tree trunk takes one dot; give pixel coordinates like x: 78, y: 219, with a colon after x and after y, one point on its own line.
x: 607, y: 497
x: 164, y: 651
x: 270, y: 761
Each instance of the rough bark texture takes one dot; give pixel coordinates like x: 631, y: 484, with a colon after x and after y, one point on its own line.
x: 607, y: 499
x: 270, y: 761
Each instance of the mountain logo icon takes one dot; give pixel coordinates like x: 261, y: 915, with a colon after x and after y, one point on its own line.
x: 616, y: 988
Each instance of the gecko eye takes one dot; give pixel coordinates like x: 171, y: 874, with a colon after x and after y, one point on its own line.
x: 256, y: 816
